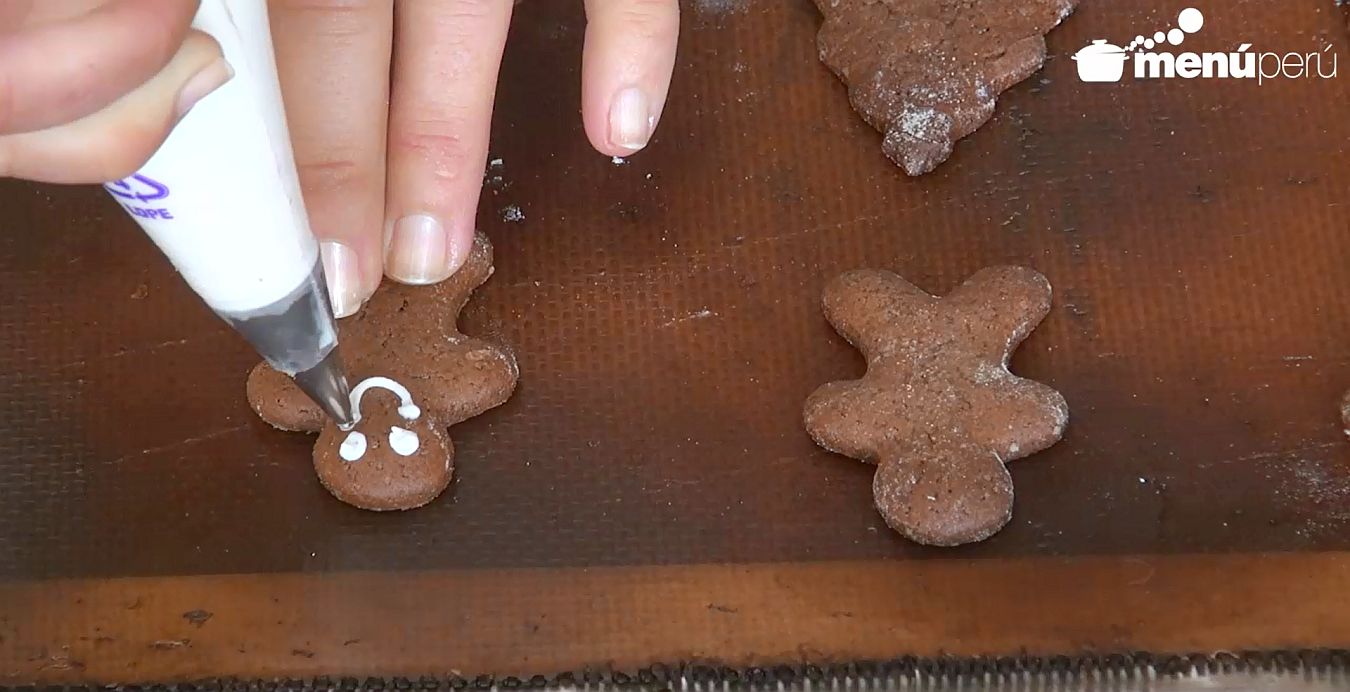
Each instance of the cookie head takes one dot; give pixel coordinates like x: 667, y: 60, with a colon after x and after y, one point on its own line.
x: 944, y: 495
x: 395, y: 457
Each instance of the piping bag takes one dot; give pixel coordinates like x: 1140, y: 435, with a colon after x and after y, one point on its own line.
x: 222, y: 201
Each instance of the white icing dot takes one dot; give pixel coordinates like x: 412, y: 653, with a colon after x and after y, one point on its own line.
x: 1190, y: 20
x: 1175, y: 37
x: 354, y: 447
x: 409, y: 412
x: 403, y: 442
x: 1159, y: 37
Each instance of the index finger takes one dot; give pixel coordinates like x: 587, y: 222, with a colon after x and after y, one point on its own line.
x: 625, y: 72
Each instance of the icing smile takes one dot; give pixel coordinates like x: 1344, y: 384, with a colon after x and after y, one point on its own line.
x: 404, y: 442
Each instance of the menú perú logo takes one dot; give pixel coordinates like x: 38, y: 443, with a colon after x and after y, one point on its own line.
x: 1104, y: 62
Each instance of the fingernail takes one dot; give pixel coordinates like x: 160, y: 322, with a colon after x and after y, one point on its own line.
x: 204, y: 82
x: 630, y: 119
x: 417, y: 251
x: 343, y: 273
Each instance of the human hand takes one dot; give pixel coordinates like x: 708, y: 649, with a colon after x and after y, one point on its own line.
x: 90, y: 88
x: 391, y: 161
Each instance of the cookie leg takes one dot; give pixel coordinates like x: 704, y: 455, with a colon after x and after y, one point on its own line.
x: 1001, y: 305
x: 863, y: 303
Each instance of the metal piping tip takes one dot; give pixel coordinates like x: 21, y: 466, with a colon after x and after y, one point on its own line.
x: 326, y: 384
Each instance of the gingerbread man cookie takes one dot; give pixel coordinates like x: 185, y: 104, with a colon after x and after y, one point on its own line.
x: 937, y: 410
x: 927, y: 72
x: 414, y: 375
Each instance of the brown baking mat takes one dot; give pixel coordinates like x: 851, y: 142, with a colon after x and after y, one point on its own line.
x: 649, y: 494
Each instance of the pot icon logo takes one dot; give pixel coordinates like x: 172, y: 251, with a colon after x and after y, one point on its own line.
x: 1105, y: 62
x: 1101, y: 62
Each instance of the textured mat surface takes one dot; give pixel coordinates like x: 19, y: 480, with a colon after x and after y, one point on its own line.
x: 1302, y: 671
x: 652, y: 466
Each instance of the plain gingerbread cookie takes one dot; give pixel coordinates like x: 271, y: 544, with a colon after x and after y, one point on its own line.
x: 937, y: 410
x: 927, y: 72
x: 410, y: 335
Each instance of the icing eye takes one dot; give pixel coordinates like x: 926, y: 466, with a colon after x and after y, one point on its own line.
x: 403, y: 442
x: 354, y: 447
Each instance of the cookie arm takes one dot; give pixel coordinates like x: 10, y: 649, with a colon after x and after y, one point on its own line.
x: 276, y: 400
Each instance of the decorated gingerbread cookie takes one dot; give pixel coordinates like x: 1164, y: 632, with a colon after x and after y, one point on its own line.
x: 938, y: 411
x: 927, y: 72
x: 414, y: 375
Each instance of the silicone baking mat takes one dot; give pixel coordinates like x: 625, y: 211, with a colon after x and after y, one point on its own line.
x: 649, y: 495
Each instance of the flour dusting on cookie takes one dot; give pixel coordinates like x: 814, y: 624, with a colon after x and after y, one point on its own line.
x: 927, y: 72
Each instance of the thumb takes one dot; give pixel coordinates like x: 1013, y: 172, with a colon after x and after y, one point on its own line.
x: 113, y: 142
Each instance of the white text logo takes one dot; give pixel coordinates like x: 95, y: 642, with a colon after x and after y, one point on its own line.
x: 1104, y: 62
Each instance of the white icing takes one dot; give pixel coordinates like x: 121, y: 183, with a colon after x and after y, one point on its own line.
x: 404, y: 442
x: 354, y: 447
x: 238, y: 256
x: 407, y: 409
